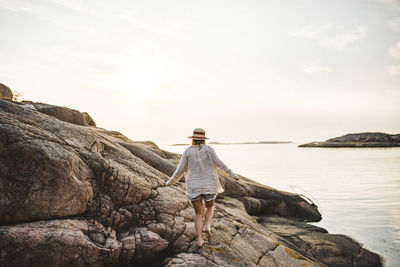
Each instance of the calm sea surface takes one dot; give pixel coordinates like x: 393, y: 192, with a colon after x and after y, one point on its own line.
x: 357, y: 190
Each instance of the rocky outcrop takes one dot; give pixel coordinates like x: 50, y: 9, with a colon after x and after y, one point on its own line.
x: 58, y: 243
x: 359, y: 140
x: 331, y: 249
x: 5, y: 92
x: 85, y: 196
x: 64, y: 113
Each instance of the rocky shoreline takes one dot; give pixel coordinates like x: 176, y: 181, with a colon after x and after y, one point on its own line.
x: 359, y: 140
x: 73, y: 194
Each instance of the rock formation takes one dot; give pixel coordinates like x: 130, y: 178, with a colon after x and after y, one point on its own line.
x: 74, y: 195
x: 5, y: 92
x: 359, y: 140
x: 63, y: 113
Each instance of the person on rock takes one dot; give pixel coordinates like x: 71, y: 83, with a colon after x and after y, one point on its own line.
x: 200, y: 162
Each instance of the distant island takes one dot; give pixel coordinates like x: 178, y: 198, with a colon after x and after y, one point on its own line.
x: 242, y: 143
x: 368, y: 139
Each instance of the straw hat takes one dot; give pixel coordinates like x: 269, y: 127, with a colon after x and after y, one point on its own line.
x: 198, y: 134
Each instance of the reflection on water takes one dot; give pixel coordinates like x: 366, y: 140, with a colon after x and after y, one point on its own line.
x: 357, y: 190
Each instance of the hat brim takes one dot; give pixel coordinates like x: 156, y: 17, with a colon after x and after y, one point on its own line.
x: 198, y: 138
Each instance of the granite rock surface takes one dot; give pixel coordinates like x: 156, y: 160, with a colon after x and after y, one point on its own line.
x: 76, y: 195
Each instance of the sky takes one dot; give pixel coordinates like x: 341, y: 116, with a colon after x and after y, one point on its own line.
x: 254, y: 70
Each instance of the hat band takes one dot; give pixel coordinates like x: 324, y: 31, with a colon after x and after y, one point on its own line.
x: 200, y: 133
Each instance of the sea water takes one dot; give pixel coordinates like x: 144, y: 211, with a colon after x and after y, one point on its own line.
x: 357, y: 190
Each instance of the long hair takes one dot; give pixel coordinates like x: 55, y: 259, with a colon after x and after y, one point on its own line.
x: 198, y: 142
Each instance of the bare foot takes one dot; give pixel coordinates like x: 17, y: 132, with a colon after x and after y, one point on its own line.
x: 208, y: 233
x: 200, y: 243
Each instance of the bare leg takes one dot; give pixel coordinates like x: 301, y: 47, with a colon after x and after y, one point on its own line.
x: 198, y: 225
x: 198, y: 220
x: 208, y: 219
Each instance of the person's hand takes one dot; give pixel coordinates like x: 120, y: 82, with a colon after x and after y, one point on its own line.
x: 168, y: 183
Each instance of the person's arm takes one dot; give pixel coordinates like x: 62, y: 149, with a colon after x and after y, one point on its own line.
x: 222, y: 166
x: 180, y: 170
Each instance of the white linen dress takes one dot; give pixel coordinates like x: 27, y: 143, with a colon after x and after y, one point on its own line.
x: 201, y: 163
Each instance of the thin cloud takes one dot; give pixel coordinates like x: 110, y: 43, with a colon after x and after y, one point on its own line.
x: 393, y: 70
x: 395, y: 51
x: 21, y: 6
x: 392, y: 3
x: 314, y: 68
x: 342, y: 40
x: 329, y: 35
x: 312, y: 31
x: 177, y: 28
x: 395, y: 24
x: 72, y: 4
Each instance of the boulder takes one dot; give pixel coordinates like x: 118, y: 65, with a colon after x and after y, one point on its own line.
x: 5, y: 92
x: 86, y: 196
